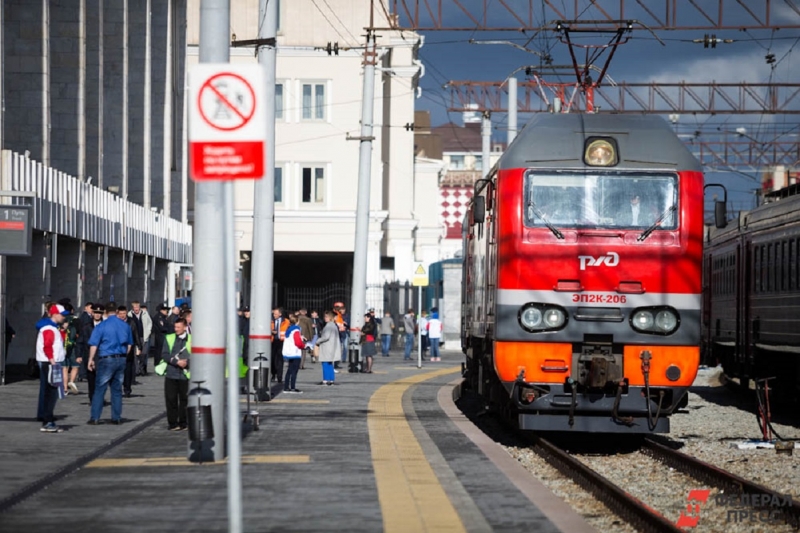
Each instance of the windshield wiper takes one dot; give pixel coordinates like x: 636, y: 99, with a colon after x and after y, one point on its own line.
x: 646, y: 233
x: 547, y: 223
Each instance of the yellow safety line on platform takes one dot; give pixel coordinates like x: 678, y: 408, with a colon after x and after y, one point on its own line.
x: 411, y: 496
x: 183, y: 461
x: 284, y: 400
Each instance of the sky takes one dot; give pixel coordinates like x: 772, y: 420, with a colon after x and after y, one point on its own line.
x: 449, y: 55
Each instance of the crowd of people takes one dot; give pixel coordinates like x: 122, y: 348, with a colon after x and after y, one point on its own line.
x: 109, y: 346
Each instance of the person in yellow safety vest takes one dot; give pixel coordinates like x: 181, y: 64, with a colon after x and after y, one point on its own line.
x: 175, y: 357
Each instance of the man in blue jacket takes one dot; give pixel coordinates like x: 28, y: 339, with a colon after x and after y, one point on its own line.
x: 109, y: 346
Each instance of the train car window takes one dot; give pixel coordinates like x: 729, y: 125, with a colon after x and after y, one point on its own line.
x: 792, y: 266
x: 784, y: 265
x: 770, y: 267
x: 601, y: 200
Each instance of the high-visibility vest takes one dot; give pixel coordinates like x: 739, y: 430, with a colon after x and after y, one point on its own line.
x: 161, y: 368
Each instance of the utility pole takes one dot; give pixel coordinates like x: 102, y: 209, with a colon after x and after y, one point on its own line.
x: 208, y: 294
x: 486, y: 143
x: 512, y: 109
x: 358, y: 293
x: 264, y: 216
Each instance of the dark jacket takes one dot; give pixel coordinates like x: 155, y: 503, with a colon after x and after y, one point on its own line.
x: 306, y: 327
x: 179, y: 351
x: 368, y: 329
x: 137, y: 339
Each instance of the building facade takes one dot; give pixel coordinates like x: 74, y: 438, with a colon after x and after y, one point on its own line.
x: 318, y: 110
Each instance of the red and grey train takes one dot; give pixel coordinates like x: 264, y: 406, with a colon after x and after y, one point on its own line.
x: 581, y: 295
x: 751, y: 282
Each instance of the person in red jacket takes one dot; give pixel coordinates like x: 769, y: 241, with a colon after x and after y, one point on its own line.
x: 50, y: 352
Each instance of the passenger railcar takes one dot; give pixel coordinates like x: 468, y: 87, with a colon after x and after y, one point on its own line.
x: 582, y: 267
x: 751, y: 282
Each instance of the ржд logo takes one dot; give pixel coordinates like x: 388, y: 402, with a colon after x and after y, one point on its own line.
x: 610, y: 259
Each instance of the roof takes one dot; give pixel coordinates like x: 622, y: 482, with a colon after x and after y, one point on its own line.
x: 460, y: 138
x: 557, y: 140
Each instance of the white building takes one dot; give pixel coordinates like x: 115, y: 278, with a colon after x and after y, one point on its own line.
x: 318, y: 99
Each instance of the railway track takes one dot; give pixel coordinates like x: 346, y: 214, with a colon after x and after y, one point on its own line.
x: 643, y: 517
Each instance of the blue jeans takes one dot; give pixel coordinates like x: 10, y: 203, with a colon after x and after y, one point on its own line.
x: 110, y: 371
x: 327, y: 372
x: 434, y: 348
x: 386, y: 342
x: 290, y: 381
x: 48, y: 395
x: 409, y: 345
x: 343, y: 338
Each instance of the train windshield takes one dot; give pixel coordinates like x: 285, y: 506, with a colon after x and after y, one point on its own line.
x: 607, y: 200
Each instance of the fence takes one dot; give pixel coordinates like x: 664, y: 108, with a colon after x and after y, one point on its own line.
x: 64, y: 205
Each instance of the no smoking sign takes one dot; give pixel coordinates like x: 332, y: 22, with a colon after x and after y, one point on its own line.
x: 227, y: 123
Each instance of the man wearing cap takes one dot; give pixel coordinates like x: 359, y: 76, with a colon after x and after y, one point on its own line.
x: 50, y: 351
x: 161, y: 327
x: 109, y: 345
x: 85, y: 332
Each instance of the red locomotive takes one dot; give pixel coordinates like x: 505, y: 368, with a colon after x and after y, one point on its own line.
x: 582, y: 275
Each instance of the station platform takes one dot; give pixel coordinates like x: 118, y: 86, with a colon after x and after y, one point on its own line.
x: 387, y: 451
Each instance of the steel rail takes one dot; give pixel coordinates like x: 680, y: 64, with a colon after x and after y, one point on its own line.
x: 720, y: 478
x: 637, y: 513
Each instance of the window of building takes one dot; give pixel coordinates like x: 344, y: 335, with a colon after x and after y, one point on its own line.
x: 279, y: 100
x: 313, y: 101
x: 313, y: 185
x: 456, y: 162
x: 478, y: 162
x: 278, y: 185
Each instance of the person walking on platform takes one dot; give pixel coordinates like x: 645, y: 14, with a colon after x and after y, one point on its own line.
x: 279, y: 326
x: 306, y: 330
x: 293, y: 345
x: 109, y: 346
x: 368, y: 350
x: 161, y: 328
x: 83, y: 343
x: 176, y: 352
x: 434, y: 335
x: 343, y: 323
x: 409, y: 324
x: 130, y: 361
x: 317, y: 325
x: 50, y: 353
x: 386, y: 330
x: 144, y: 327
x: 329, y: 349
x: 423, y: 332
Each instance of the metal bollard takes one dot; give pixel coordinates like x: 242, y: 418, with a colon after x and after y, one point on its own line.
x: 261, y: 379
x: 201, y: 427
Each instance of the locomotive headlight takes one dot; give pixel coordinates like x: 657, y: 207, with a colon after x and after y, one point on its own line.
x: 553, y: 318
x: 531, y: 318
x: 666, y: 321
x: 600, y: 152
x: 643, y: 320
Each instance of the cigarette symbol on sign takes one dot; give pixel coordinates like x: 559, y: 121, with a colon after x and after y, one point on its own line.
x: 226, y: 102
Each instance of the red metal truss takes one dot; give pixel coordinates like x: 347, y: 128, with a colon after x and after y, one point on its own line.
x: 745, y: 155
x: 528, y: 15
x: 682, y: 97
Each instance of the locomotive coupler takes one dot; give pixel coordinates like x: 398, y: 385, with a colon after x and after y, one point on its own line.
x: 646, y: 356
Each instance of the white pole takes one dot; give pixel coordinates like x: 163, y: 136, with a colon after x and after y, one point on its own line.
x: 486, y: 137
x: 264, y: 216
x: 168, y: 94
x: 419, y: 329
x: 147, y: 170
x: 512, y: 109
x: 358, y: 293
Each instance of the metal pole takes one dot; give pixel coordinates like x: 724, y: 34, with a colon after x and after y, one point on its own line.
x: 168, y: 95
x: 231, y: 323
x: 208, y: 294
x: 82, y: 90
x: 512, y: 109
x: 419, y: 328
x: 184, y: 153
x: 100, y: 94
x: 486, y: 138
x: 358, y: 293
x: 264, y: 215
x: 46, y: 82
x: 125, y: 22
x: 146, y: 119
x: 3, y: 186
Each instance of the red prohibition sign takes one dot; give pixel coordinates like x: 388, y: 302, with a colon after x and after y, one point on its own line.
x: 224, y: 101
